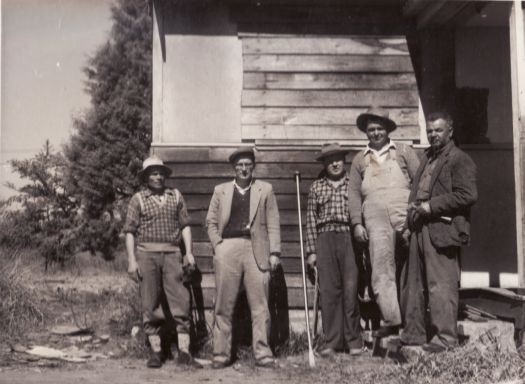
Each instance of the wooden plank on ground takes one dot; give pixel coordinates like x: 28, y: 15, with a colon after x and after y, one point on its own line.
x: 322, y: 98
x: 262, y: 80
x: 326, y: 63
x: 326, y: 45
x: 319, y: 132
x: 319, y: 116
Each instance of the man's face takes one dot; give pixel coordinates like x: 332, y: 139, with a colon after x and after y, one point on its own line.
x: 439, y: 133
x: 377, y: 134
x: 156, y: 179
x: 334, y: 165
x: 244, y: 166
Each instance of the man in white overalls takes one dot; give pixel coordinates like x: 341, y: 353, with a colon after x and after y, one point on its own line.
x: 380, y: 180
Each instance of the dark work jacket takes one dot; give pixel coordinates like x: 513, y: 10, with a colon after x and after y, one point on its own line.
x: 452, y: 192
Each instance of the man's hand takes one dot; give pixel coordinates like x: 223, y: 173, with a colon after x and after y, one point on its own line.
x: 134, y: 271
x: 275, y: 261
x: 311, y: 260
x: 423, y: 209
x: 405, y: 236
x: 360, y: 233
x: 189, y: 259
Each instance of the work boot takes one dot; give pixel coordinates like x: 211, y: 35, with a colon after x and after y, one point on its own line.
x: 386, y: 330
x: 155, y: 358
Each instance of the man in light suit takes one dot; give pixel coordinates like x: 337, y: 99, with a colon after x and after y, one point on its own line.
x: 243, y: 227
x: 442, y: 193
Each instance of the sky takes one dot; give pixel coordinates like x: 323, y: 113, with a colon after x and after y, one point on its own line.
x: 45, y: 45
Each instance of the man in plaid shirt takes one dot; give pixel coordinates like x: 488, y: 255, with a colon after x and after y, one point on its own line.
x: 156, y: 222
x: 329, y: 246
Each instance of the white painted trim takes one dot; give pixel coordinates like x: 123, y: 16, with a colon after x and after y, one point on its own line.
x: 157, y: 69
x: 508, y: 280
x: 475, y: 279
x: 423, y: 139
x: 517, y: 63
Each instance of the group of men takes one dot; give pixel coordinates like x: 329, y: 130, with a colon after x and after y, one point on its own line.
x: 390, y: 199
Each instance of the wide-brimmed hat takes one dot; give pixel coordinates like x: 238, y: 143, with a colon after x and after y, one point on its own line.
x: 330, y: 149
x: 153, y: 162
x: 375, y: 114
x: 246, y: 151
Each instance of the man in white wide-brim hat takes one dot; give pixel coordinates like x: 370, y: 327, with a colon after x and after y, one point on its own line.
x: 156, y: 223
x: 380, y: 180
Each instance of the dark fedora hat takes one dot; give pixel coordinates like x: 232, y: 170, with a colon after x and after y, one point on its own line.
x: 375, y: 114
x: 330, y: 149
x: 151, y: 163
x: 242, y: 151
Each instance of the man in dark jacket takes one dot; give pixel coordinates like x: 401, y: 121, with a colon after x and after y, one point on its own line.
x: 442, y: 193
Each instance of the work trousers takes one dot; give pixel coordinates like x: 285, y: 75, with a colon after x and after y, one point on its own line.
x: 430, y: 277
x: 235, y: 265
x: 163, y: 271
x: 383, y: 220
x: 337, y: 268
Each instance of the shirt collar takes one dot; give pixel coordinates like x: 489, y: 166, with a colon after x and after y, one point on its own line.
x: 343, y: 179
x: 381, y: 151
x: 148, y: 192
x: 434, y: 154
x: 241, y: 190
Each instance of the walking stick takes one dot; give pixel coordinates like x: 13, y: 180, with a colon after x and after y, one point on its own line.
x: 316, y: 303
x: 311, y: 358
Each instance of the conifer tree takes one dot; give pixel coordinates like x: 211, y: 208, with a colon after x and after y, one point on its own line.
x: 43, y: 212
x: 114, y: 135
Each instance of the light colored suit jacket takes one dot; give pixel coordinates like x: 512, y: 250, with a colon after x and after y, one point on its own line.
x: 264, y: 219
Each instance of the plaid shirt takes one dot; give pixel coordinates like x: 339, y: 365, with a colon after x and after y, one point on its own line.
x: 157, y: 222
x: 327, y: 210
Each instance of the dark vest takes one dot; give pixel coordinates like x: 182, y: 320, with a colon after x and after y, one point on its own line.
x: 238, y: 225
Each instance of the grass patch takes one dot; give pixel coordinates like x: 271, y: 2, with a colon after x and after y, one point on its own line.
x: 465, y: 365
x: 20, y: 307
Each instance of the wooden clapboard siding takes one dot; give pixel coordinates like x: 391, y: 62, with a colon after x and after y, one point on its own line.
x: 270, y: 80
x: 320, y: 132
x: 196, y: 170
x: 313, y: 87
x: 319, y: 116
x: 288, y: 216
x: 327, y: 63
x: 276, y: 170
x: 324, y: 98
x: 340, y: 45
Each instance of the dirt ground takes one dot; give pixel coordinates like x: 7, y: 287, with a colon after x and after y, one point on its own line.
x: 90, y: 297
x: 293, y: 369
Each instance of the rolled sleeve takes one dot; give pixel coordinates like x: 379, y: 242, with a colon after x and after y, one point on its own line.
x: 133, y: 215
x: 311, y: 222
x: 184, y: 216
